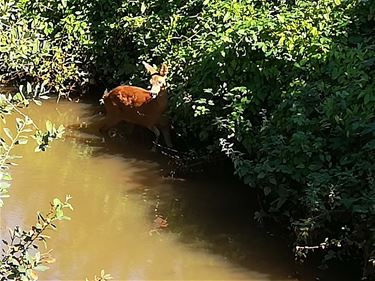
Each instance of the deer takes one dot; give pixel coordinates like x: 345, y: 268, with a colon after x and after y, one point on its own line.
x: 139, y: 106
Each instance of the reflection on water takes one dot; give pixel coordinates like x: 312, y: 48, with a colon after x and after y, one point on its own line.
x: 118, y: 192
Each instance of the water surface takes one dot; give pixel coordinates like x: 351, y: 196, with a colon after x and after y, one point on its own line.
x: 118, y: 190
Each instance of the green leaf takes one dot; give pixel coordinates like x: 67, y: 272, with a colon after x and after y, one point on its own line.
x: 367, y: 98
x: 37, y: 102
x: 267, y: 190
x: 28, y: 120
x: 5, y: 176
x: 8, y: 133
x: 272, y: 180
x: 28, y: 88
x: 56, y: 202
x: 281, y: 40
x: 41, y: 267
x: 261, y: 175
x: 19, y: 123
x: 49, y: 126
x: 143, y: 8
x: 4, y: 185
x: 226, y: 17
x: 21, y: 141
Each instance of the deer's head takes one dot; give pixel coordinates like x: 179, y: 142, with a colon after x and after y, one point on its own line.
x: 158, y: 78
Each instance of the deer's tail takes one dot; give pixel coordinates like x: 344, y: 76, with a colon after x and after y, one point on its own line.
x: 105, y: 95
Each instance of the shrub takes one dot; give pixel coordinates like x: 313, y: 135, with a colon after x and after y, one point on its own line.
x: 37, y: 49
x: 284, y: 88
x: 21, y: 258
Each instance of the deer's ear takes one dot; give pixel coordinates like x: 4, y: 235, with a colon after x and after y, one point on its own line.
x: 149, y: 68
x: 163, y: 70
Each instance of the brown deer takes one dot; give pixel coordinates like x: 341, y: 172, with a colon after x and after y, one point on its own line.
x: 140, y: 106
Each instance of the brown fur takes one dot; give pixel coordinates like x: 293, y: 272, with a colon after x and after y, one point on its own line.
x: 136, y: 106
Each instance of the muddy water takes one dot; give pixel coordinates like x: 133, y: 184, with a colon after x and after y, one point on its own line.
x: 118, y: 191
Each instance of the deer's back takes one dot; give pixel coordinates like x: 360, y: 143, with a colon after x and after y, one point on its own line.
x: 128, y: 96
x: 134, y: 105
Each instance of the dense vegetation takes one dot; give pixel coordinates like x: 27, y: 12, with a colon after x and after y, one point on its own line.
x: 284, y: 88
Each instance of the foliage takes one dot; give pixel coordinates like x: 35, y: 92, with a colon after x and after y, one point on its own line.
x: 284, y: 88
x: 287, y: 89
x: 21, y: 258
x: 41, y: 51
x: 103, y: 276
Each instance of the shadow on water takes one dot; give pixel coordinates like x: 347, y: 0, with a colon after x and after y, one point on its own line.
x: 119, y: 187
x: 214, y: 213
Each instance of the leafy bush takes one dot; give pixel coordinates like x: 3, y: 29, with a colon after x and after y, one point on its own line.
x: 21, y: 258
x: 35, y: 48
x: 103, y: 277
x: 284, y: 88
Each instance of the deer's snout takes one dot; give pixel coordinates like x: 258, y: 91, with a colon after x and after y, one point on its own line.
x: 155, y: 90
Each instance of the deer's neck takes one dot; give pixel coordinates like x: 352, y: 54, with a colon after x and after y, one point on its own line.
x: 162, y: 98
